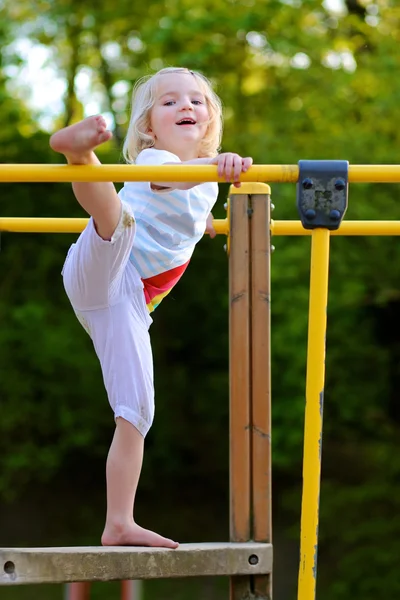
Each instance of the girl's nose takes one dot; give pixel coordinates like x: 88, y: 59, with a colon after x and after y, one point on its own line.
x: 186, y: 104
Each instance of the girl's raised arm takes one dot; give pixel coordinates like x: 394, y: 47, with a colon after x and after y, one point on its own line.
x: 230, y: 166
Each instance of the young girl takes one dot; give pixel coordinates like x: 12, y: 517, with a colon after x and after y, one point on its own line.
x: 134, y: 249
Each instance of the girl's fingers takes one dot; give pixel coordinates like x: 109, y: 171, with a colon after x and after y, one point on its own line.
x: 247, y: 162
x: 221, y: 163
x: 222, y: 166
x: 229, y: 167
x: 237, y: 168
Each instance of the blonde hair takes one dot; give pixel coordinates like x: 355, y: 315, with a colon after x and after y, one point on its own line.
x: 143, y: 99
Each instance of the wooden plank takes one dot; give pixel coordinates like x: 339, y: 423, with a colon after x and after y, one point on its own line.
x: 58, y: 565
x: 239, y: 376
x: 261, y: 379
x: 239, y: 368
x: 261, y: 369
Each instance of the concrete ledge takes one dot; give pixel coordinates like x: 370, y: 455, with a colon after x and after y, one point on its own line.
x: 57, y: 565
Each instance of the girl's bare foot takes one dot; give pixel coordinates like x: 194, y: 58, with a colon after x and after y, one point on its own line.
x: 78, y: 141
x: 134, y: 535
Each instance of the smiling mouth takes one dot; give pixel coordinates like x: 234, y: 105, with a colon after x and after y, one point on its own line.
x: 186, y: 122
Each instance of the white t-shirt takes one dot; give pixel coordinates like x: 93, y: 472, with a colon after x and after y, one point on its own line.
x: 169, y: 222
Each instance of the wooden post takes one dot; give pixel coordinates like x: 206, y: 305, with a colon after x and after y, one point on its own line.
x: 78, y: 591
x: 250, y: 378
x: 261, y: 495
x: 130, y: 590
x: 239, y: 380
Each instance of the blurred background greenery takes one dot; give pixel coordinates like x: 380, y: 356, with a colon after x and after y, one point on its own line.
x: 299, y: 80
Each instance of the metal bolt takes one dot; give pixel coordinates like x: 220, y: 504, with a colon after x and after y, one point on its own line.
x: 272, y: 206
x: 226, y: 206
x: 272, y: 248
x: 334, y: 215
x: 310, y: 214
x: 307, y: 183
x: 253, y: 559
x: 340, y: 184
x: 225, y: 247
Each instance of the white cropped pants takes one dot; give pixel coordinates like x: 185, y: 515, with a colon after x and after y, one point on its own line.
x: 106, y: 293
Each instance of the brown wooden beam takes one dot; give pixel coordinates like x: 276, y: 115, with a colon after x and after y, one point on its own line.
x: 261, y: 377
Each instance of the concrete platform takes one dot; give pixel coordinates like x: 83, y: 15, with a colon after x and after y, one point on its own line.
x: 97, y: 563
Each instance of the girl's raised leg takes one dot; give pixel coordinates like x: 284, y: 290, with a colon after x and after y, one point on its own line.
x: 99, y: 199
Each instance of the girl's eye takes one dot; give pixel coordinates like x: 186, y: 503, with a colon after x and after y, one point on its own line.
x: 197, y: 102
x: 169, y: 103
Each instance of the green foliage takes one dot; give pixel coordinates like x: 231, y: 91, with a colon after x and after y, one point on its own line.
x: 364, y: 497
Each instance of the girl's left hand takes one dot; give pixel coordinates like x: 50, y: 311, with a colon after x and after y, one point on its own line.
x: 210, y: 227
x: 231, y: 165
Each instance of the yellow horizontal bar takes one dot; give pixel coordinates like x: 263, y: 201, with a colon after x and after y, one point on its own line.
x: 42, y: 225
x: 221, y: 226
x: 119, y: 173
x: 346, y: 228
x: 66, y: 225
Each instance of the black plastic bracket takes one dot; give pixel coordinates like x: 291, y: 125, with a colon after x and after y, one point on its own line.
x: 322, y: 192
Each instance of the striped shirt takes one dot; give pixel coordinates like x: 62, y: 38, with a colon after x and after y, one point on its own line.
x: 169, y: 223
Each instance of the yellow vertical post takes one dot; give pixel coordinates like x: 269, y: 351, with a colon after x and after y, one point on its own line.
x: 314, y: 412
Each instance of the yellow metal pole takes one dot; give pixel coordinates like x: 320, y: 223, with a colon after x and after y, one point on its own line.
x: 68, y: 225
x: 120, y: 173
x: 313, y: 413
x: 42, y: 225
x: 221, y: 226
x: 346, y: 228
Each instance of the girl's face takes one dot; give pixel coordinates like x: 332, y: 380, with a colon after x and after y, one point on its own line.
x: 179, y: 117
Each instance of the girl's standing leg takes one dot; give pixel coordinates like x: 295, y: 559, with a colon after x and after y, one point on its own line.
x: 124, y: 464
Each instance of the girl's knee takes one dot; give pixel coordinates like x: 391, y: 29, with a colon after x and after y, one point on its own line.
x: 141, y: 419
